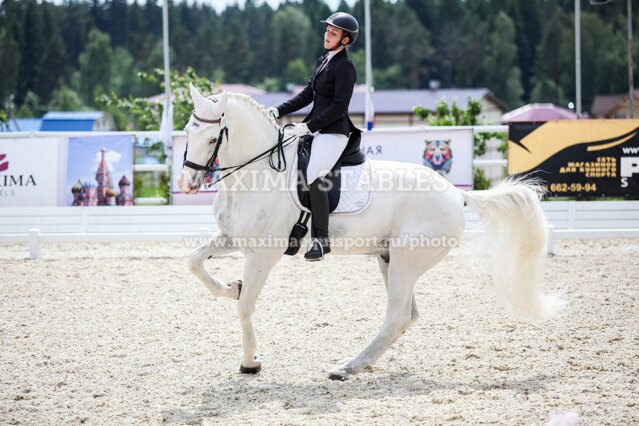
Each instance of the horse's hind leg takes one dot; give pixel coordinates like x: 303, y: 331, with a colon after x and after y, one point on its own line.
x: 217, y: 246
x: 404, y: 269
x: 384, y: 261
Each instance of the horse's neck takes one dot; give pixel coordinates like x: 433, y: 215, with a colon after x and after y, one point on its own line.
x: 252, y: 134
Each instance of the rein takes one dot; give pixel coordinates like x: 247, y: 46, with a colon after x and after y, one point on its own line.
x: 278, y: 150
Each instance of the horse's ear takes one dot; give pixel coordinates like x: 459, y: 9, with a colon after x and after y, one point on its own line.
x: 200, y: 103
x: 222, y: 103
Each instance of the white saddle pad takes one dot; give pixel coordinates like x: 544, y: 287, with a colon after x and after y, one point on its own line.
x: 355, y: 191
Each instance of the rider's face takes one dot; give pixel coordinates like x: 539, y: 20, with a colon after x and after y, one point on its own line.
x: 333, y: 36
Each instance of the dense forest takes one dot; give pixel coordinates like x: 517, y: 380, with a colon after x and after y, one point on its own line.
x: 61, y: 56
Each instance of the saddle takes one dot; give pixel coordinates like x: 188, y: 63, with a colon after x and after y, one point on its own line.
x: 352, y: 156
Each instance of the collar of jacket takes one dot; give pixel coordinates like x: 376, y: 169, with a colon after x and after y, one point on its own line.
x: 332, y: 53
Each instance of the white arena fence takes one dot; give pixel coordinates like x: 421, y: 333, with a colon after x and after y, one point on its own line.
x: 143, y: 222
x: 35, y: 225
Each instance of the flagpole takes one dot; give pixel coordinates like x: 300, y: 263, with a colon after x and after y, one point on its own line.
x: 166, y: 127
x: 578, y: 57
x: 369, y: 67
x: 167, y: 71
x: 165, y: 45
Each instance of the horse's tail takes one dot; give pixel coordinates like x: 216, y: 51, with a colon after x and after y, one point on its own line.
x: 517, y: 233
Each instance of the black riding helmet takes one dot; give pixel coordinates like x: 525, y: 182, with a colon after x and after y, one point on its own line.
x: 345, y: 22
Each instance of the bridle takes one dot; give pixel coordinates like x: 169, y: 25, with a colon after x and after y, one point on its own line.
x: 278, y: 150
x: 217, y: 141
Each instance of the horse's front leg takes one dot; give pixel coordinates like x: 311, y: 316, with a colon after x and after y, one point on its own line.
x: 257, y: 267
x: 217, y: 246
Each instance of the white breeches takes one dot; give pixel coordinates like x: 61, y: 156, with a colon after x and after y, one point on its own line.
x: 325, y: 151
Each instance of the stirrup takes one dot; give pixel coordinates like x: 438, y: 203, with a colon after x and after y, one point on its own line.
x: 317, y: 251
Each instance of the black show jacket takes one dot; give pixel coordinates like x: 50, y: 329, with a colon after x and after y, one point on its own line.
x: 330, y: 89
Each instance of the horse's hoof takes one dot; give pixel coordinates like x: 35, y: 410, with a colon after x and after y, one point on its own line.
x: 340, y: 373
x: 339, y: 377
x: 236, y: 289
x: 250, y: 370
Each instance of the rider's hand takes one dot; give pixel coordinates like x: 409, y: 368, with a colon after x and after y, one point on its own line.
x: 300, y: 130
x: 274, y: 112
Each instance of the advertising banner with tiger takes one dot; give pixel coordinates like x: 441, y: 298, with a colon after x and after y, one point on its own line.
x: 448, y: 152
x: 578, y: 157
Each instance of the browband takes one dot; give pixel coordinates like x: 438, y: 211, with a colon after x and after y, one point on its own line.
x: 206, y: 120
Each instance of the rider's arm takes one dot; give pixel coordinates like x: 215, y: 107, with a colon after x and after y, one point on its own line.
x: 302, y: 99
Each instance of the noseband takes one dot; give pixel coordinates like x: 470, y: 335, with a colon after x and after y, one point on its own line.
x: 217, y: 141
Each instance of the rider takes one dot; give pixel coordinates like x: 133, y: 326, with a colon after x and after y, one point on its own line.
x: 330, y: 89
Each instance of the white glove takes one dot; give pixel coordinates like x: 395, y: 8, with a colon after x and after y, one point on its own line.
x: 274, y: 112
x: 300, y: 130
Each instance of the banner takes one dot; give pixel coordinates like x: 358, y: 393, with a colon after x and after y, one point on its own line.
x: 207, y: 191
x: 578, y: 157
x: 100, y: 171
x: 448, y: 152
x: 29, y: 172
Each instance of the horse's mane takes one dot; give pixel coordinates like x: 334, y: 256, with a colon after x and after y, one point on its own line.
x: 256, y: 105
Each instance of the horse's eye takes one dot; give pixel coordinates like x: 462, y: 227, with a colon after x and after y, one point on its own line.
x: 213, y: 141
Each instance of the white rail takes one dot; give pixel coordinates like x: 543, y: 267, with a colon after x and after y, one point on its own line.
x: 34, y: 225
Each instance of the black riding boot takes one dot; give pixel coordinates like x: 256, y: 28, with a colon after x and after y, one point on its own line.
x: 318, y: 198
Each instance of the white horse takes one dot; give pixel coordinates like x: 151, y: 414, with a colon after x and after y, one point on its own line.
x: 250, y: 204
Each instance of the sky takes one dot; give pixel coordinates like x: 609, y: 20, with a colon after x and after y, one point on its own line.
x: 219, y: 5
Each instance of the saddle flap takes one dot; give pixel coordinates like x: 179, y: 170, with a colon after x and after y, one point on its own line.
x: 351, y: 185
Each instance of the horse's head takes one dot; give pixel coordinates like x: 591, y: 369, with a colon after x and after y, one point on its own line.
x: 204, y: 135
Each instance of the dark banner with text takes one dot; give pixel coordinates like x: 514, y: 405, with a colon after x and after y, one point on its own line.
x: 578, y: 157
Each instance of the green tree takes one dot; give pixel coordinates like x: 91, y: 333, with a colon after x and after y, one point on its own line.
x: 448, y: 43
x: 54, y: 63
x: 297, y: 72
x: 124, y: 78
x: 528, y: 25
x: 550, y: 66
x: 503, y: 76
x: 290, y: 28
x: 468, y: 70
x: 66, y: 99
x: 462, y: 43
x: 10, y: 59
x: 73, y: 24
x: 4, y: 121
x: 95, y: 66
x: 117, y: 21
x: 32, y: 51
x: 410, y: 56
x: 260, y: 39
x: 603, y: 59
x: 31, y: 106
x: 145, y: 114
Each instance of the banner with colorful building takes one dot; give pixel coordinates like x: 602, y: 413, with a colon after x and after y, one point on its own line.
x: 578, y: 157
x: 100, y: 171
